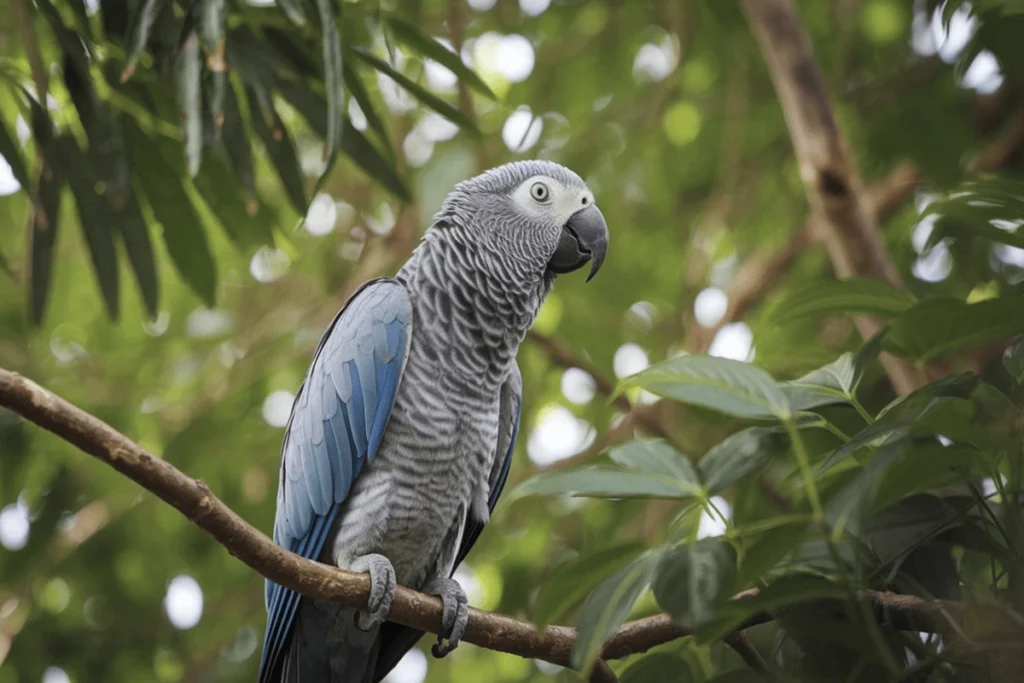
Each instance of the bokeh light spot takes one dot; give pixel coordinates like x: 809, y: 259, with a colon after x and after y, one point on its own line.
x: 277, y: 406
x: 681, y: 123
x: 709, y: 306
x: 14, y: 526
x: 184, y: 602
x: 578, y: 386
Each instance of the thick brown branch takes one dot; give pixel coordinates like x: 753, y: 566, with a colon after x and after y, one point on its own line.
x: 493, y: 631
x: 831, y: 181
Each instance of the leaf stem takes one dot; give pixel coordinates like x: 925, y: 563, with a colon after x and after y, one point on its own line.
x: 804, y: 462
x: 859, y: 407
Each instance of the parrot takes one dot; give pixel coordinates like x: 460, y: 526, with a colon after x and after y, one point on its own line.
x: 401, y: 435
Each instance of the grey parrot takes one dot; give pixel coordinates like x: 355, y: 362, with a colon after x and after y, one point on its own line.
x: 401, y: 435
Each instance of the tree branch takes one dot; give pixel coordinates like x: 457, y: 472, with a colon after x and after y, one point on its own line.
x: 194, y: 499
x: 831, y: 181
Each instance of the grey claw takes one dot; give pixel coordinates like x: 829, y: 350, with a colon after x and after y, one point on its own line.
x: 454, y: 615
x: 382, y: 590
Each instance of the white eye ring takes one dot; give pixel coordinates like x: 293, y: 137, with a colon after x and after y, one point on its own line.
x: 540, y: 192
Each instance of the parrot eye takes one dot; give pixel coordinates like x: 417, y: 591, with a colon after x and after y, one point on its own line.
x: 539, y: 191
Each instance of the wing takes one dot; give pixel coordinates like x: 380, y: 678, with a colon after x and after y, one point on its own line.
x: 396, y: 640
x: 336, y: 425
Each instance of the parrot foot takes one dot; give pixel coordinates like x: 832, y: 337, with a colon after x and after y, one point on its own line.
x: 454, y: 615
x: 382, y: 589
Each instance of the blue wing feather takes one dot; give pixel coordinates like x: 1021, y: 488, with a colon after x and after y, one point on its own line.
x: 336, y: 426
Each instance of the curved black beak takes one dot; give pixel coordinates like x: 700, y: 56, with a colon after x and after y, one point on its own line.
x: 584, y: 238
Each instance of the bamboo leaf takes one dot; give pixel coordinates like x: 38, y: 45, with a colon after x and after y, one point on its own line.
x: 424, y: 96
x: 354, y: 143
x: 9, y: 151
x: 159, y: 171
x: 358, y: 92
x: 334, y: 83
x: 293, y: 9
x: 281, y: 150
x: 190, y: 99
x: 245, y: 220
x: 135, y: 234
x: 148, y: 14
x: 45, y: 226
x: 433, y: 49
x: 95, y: 221
x: 236, y: 142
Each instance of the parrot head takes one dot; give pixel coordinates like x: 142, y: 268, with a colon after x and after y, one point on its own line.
x: 537, y: 212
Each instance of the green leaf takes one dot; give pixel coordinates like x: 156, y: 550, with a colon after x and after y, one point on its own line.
x: 658, y: 667
x: 783, y: 592
x: 692, y: 581
x: 433, y: 49
x: 770, y: 547
x: 190, y: 99
x: 245, y: 221
x: 353, y: 142
x: 293, y: 8
x: 366, y: 156
x: 424, y: 96
x: 45, y: 225
x: 922, y: 468
x: 9, y: 151
x: 211, y: 25
x: 135, y: 235
x: 237, y: 143
x: 655, y: 456
x: 148, y: 14
x: 109, y: 161
x: 608, y: 607
x: 852, y: 295
x: 824, y: 386
x: 959, y: 385
x: 602, y: 482
x: 281, y: 151
x: 942, y: 326
x: 159, y: 172
x: 734, y: 459
x: 721, y: 384
x: 358, y: 92
x: 334, y: 79
x: 572, y: 581
x: 95, y: 219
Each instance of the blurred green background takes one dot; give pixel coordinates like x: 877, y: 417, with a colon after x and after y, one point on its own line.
x: 223, y: 280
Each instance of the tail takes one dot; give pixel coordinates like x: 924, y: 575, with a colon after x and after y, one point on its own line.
x: 327, y: 647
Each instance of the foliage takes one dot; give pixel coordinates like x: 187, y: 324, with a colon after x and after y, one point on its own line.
x: 782, y: 461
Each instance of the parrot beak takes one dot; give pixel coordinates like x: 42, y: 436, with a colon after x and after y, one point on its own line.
x: 584, y: 238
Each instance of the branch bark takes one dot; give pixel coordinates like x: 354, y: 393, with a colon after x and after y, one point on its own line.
x: 831, y: 181
x: 194, y: 499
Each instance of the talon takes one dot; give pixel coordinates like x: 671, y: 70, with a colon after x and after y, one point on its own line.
x: 454, y: 615
x: 441, y: 649
x: 382, y: 590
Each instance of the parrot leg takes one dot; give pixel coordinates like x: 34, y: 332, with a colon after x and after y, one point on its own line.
x: 382, y: 589
x: 454, y: 615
